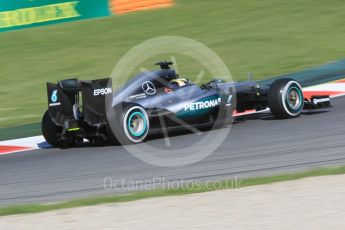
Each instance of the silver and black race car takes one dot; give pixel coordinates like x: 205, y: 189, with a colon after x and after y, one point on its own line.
x: 159, y: 101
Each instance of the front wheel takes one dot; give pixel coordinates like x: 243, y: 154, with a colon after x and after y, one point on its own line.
x: 285, y: 99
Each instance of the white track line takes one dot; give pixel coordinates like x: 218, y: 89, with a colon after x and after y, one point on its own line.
x: 35, y: 142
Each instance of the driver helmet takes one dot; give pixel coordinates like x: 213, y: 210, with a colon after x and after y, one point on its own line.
x: 179, y: 82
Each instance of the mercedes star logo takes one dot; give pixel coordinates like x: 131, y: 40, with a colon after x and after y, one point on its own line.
x: 149, y: 88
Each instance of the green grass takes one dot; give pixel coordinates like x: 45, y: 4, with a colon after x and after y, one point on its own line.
x: 266, y: 37
x: 35, y: 208
x: 20, y: 131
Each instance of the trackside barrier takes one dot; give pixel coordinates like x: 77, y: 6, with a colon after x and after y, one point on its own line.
x: 20, y: 14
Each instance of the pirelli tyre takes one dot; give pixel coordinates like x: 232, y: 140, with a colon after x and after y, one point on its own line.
x: 132, y: 124
x: 285, y: 98
x: 51, y: 132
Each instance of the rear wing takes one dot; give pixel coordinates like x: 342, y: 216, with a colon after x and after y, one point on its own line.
x: 64, y: 105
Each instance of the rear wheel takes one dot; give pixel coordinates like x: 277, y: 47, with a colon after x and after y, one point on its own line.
x: 52, y: 133
x: 285, y: 99
x: 132, y: 125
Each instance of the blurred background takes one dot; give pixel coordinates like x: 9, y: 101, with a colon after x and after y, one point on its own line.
x: 266, y: 37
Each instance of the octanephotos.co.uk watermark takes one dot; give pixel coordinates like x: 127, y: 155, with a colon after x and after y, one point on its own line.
x: 125, y: 185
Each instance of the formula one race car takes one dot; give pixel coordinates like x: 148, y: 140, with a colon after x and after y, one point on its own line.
x: 158, y: 100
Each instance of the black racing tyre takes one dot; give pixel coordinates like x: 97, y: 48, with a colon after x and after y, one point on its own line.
x: 131, y: 124
x: 51, y: 132
x: 285, y: 98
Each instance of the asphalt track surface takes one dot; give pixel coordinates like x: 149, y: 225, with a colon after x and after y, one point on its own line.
x: 256, y: 146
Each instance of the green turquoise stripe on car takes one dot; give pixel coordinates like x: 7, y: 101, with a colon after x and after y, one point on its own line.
x: 188, y: 113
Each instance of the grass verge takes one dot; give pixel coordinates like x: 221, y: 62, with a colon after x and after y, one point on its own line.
x: 20, y: 131
x: 36, y: 208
